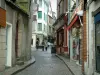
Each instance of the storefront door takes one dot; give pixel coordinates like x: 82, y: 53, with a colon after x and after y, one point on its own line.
x: 98, y: 47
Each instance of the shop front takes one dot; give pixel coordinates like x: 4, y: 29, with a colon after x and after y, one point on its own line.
x: 97, y: 41
x: 75, y: 39
x: 60, y: 40
x: 61, y: 37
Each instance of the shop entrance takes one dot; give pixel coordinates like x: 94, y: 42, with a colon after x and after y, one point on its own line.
x: 98, y: 47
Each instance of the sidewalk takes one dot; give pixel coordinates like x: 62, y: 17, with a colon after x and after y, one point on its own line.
x: 73, y: 67
x: 16, y: 69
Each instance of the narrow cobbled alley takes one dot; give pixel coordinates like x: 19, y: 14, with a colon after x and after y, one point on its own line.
x: 46, y: 64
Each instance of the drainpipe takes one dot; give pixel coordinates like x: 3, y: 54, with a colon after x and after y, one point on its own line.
x: 88, y: 4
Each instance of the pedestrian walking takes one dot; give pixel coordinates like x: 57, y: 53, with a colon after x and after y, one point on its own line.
x: 37, y: 43
x: 43, y: 43
x: 46, y: 46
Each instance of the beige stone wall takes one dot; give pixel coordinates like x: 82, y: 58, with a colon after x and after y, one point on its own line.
x: 2, y: 48
x: 11, y: 17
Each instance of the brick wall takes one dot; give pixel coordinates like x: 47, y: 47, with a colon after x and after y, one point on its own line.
x: 84, y: 47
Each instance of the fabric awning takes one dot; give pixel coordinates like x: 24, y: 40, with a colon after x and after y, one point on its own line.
x: 72, y: 22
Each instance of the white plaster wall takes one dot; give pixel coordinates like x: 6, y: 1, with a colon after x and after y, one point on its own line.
x: 35, y: 23
x: 90, y: 64
x: 42, y: 20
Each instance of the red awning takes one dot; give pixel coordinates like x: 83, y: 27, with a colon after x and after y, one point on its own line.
x: 72, y: 22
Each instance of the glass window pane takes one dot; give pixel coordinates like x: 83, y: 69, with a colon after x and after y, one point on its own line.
x: 39, y: 14
x: 39, y: 26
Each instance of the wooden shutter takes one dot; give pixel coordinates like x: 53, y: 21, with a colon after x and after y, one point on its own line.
x: 2, y: 17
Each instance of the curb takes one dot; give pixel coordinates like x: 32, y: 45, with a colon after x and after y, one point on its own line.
x: 65, y: 64
x: 23, y: 68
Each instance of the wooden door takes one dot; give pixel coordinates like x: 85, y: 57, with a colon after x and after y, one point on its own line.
x: 16, y: 41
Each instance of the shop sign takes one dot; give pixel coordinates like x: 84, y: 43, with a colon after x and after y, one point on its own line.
x: 2, y: 17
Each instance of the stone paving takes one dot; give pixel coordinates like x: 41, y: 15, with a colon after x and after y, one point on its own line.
x: 72, y: 65
x: 46, y: 64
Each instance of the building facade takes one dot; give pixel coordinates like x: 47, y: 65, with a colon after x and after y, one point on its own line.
x: 40, y: 30
x: 75, y: 31
x: 92, y: 66
x: 2, y: 35
x: 71, y: 31
x: 50, y: 27
x: 15, y: 32
x: 34, y: 13
x: 61, y: 27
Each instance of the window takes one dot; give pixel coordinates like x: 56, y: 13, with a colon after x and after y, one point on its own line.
x: 39, y: 14
x: 39, y: 26
x: 40, y: 3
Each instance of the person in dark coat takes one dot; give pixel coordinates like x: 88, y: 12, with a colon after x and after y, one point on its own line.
x: 43, y: 44
x: 37, y: 43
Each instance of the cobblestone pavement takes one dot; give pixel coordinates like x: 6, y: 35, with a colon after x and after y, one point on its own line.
x: 46, y: 64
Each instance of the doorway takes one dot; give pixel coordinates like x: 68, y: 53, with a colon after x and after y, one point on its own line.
x: 9, y: 44
x: 97, y: 42
x: 97, y: 47
x: 16, y: 41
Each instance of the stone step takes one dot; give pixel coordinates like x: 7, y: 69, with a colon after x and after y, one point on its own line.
x: 20, y: 63
x: 18, y: 59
